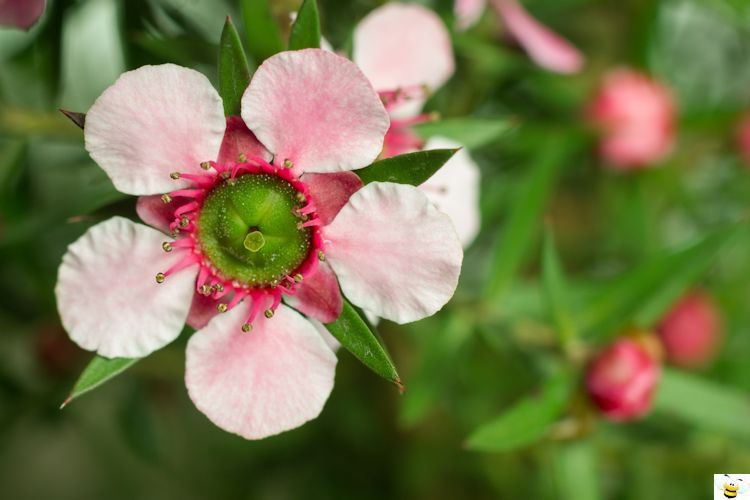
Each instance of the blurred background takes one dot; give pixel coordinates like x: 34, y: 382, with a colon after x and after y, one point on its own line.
x: 628, y: 241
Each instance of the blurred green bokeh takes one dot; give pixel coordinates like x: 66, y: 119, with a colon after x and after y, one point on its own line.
x: 140, y: 436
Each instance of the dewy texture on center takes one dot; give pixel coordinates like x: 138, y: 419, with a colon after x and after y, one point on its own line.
x: 249, y: 230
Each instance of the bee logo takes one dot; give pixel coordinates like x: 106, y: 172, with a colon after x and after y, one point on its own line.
x: 730, y: 486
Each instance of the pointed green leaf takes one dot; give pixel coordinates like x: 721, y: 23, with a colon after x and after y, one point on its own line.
x: 703, y: 403
x: 641, y: 296
x: 353, y: 333
x: 98, y: 371
x: 526, y: 421
x: 306, y: 28
x: 555, y: 290
x: 262, y: 33
x: 234, y: 72
x: 470, y: 132
x: 411, y: 168
x: 516, y: 241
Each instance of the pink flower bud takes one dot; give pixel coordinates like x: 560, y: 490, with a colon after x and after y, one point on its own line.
x: 637, y: 115
x: 20, y: 13
x: 621, y: 380
x: 691, y: 331
x: 743, y: 138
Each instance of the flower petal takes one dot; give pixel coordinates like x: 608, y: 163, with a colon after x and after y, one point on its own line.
x: 20, y: 13
x: 316, y: 109
x: 153, y: 121
x: 399, y: 45
x: 548, y: 49
x: 202, y: 310
x: 155, y: 212
x: 468, y: 12
x: 108, y: 299
x: 330, y: 192
x: 318, y: 296
x: 239, y: 140
x: 261, y: 383
x: 329, y: 339
x: 454, y: 190
x: 394, y: 253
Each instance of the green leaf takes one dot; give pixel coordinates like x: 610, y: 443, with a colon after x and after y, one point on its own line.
x: 472, y: 133
x: 516, y: 241
x: 98, y: 371
x: 353, y: 333
x: 703, y: 403
x: 305, y: 32
x: 262, y: 34
x: 576, y: 471
x: 555, y: 291
x: 411, y: 168
x: 526, y: 421
x: 234, y: 72
x: 641, y: 296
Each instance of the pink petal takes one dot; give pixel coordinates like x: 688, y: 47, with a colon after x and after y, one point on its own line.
x: 329, y: 339
x: 261, y: 383
x: 155, y: 212
x: 239, y: 140
x: 394, y: 253
x: 468, y: 12
x: 202, y: 310
x: 330, y: 192
x: 317, y: 110
x: 107, y: 295
x: 454, y: 190
x: 153, y: 121
x: 318, y: 296
x: 20, y: 13
x: 548, y: 49
x: 403, y: 45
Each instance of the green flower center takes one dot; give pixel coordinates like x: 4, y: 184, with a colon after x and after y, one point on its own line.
x: 249, y: 229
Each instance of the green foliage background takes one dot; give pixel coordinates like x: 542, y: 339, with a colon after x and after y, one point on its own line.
x: 619, y: 249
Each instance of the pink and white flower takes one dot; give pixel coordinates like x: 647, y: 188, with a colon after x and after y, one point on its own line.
x: 637, y: 117
x: 621, y: 380
x: 405, y: 50
x: 261, y: 208
x: 21, y: 13
x: 545, y: 47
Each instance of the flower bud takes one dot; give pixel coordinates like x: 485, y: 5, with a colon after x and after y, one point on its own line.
x: 691, y: 331
x: 621, y: 380
x: 742, y: 135
x: 636, y: 115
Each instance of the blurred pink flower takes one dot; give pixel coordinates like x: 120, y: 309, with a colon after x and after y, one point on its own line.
x: 637, y: 116
x: 691, y: 331
x: 405, y: 51
x: 548, y: 49
x: 308, y: 118
x: 743, y: 138
x: 21, y: 13
x: 621, y: 380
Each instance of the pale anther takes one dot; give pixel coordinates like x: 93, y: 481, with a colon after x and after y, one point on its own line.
x: 247, y: 327
x: 321, y: 255
x: 175, y: 175
x: 269, y: 313
x: 166, y: 246
x: 298, y: 278
x: 205, y: 165
x: 222, y: 308
x: 242, y: 158
x: 288, y: 163
x: 160, y: 278
x: 165, y: 198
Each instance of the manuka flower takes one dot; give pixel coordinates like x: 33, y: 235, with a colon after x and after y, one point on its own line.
x: 691, y: 331
x: 261, y: 208
x: 546, y: 48
x: 405, y: 50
